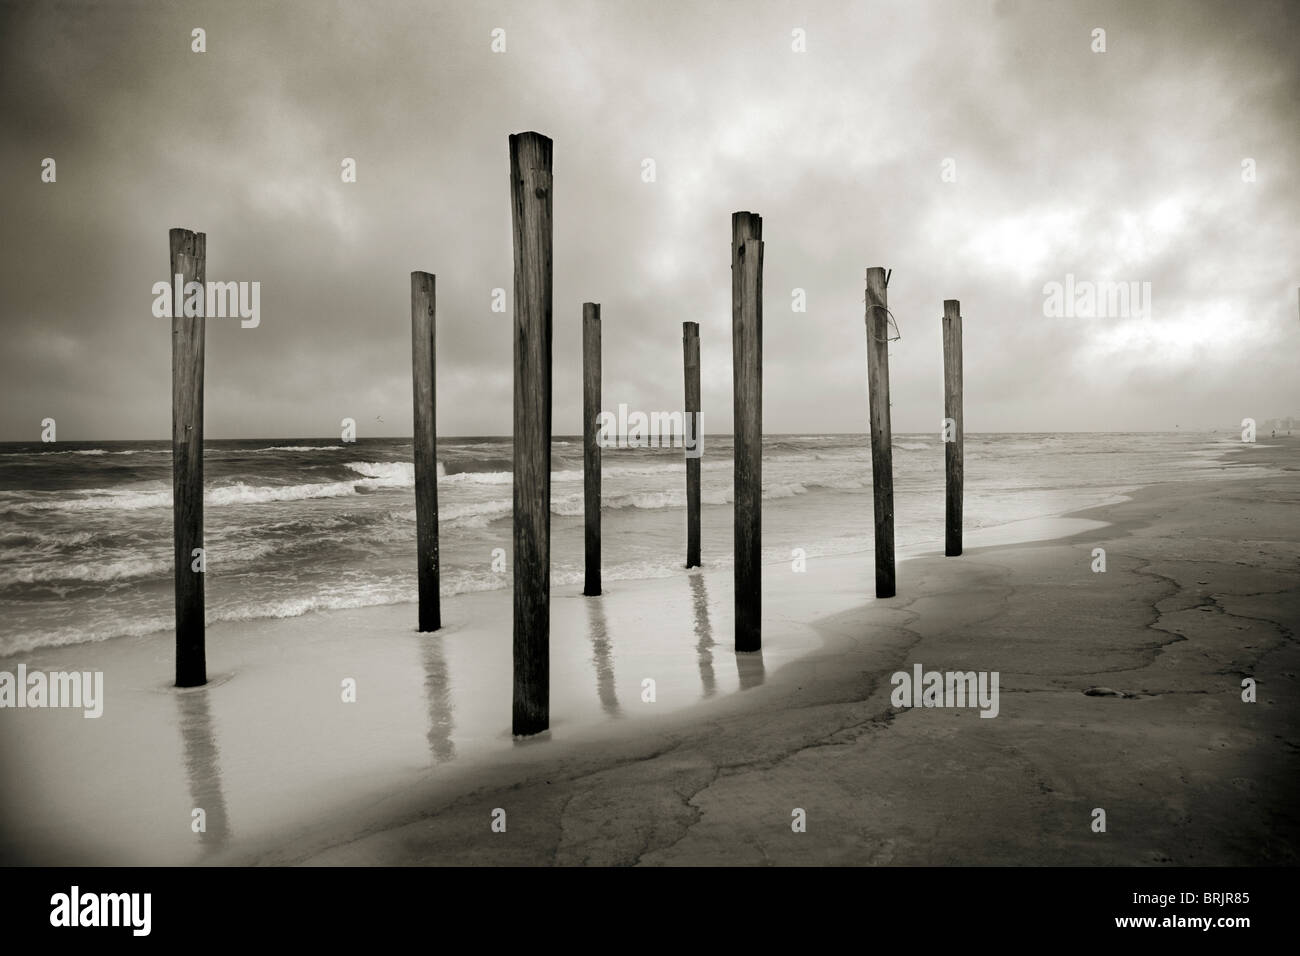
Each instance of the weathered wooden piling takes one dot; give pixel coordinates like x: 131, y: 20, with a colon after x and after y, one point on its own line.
x: 747, y: 417
x: 882, y: 451
x: 188, y: 264
x: 590, y: 446
x: 691, y: 424
x: 424, y: 391
x: 530, y: 207
x: 952, y: 410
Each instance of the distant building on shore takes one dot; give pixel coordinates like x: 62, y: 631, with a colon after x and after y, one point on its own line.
x: 1282, y: 426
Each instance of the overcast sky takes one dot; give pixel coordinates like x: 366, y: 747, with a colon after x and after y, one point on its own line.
x: 1123, y: 165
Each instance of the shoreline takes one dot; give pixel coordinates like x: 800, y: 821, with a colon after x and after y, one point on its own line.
x: 687, y: 796
x: 119, y: 583
x: 723, y: 795
x: 275, y: 579
x: 376, y: 800
x: 251, y: 663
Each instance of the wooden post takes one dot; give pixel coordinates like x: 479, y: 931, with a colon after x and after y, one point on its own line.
x: 882, y: 450
x: 188, y: 264
x: 530, y: 207
x: 423, y: 379
x: 590, y: 449
x: 691, y: 365
x: 747, y: 416
x: 952, y: 409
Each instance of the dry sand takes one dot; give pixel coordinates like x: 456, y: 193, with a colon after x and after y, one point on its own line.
x: 1200, y: 591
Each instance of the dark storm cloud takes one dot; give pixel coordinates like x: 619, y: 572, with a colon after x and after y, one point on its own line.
x: 1122, y: 165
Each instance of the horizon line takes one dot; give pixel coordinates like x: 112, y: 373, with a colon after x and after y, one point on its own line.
x: 578, y: 435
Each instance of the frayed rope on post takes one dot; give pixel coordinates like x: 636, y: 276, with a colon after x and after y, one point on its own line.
x: 889, y: 321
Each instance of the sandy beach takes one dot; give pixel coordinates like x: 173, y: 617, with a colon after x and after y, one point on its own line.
x: 1199, y: 593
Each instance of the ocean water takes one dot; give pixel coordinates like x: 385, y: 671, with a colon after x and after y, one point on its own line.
x: 296, y: 525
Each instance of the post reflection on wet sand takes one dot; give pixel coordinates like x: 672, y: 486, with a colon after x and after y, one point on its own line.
x: 704, y: 642
x: 598, y: 628
x: 437, y: 691
x: 749, y: 668
x: 203, y: 766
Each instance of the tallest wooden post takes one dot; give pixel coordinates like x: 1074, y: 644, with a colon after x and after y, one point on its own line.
x: 530, y: 210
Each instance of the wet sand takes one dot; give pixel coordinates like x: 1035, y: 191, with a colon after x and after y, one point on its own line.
x: 1200, y: 591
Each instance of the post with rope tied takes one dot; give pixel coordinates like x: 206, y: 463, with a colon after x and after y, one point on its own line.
x: 882, y: 452
x: 953, y: 427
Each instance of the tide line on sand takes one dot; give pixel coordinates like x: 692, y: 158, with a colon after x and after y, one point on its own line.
x: 309, y: 716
